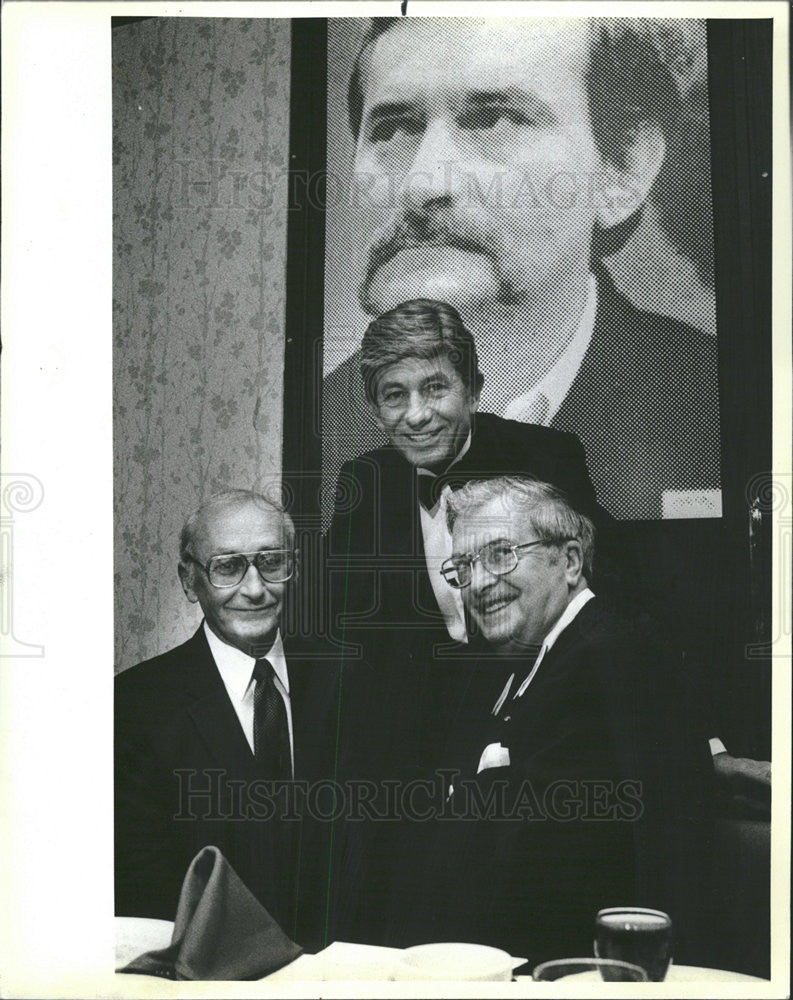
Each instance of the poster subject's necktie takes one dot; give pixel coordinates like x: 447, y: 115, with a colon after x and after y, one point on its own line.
x: 270, y: 726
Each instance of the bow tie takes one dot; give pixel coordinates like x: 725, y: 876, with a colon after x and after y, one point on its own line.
x: 428, y: 491
x: 429, y: 488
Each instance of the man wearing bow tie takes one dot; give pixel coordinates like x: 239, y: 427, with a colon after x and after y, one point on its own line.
x: 211, y: 735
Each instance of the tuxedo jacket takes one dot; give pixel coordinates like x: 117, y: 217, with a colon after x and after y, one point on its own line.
x: 185, y: 777
x: 644, y: 404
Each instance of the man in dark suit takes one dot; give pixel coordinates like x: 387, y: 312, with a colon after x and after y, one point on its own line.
x: 212, y: 735
x: 499, y: 185
x: 582, y: 748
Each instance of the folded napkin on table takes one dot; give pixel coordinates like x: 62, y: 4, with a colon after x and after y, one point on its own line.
x: 221, y: 930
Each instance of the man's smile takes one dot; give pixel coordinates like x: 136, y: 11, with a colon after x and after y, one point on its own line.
x: 423, y: 437
x: 493, y: 605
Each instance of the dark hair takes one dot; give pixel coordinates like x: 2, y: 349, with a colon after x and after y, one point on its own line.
x: 630, y: 79
x: 420, y: 328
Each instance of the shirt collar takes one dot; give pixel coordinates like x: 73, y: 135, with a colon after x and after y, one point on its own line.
x: 563, y: 621
x: 236, y: 667
x: 545, y: 397
x: 566, y: 618
x: 426, y: 472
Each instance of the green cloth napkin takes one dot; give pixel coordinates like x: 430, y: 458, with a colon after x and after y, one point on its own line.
x: 221, y: 930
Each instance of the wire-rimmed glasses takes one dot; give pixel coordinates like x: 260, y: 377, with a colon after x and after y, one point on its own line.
x: 229, y: 568
x: 498, y: 557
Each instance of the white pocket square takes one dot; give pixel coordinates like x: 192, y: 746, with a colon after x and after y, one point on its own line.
x: 494, y: 755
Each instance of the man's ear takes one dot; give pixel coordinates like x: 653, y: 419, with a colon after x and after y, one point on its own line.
x: 186, y: 580
x: 574, y: 563
x: 622, y: 190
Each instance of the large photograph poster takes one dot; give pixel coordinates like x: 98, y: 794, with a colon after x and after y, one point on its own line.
x: 560, y: 198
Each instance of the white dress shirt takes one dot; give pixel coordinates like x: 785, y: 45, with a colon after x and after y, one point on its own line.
x: 540, y: 403
x: 437, y: 549
x: 236, y: 672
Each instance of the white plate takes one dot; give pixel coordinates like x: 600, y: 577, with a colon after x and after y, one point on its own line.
x: 456, y: 962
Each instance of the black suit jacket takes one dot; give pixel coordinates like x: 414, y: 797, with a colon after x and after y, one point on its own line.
x: 644, y: 404
x: 185, y: 777
x: 602, y: 802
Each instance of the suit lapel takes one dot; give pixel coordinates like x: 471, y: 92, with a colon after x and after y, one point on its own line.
x: 212, y: 712
x: 599, y: 376
x: 565, y: 644
x: 404, y: 522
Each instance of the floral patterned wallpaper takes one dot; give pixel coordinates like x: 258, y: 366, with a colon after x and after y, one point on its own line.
x: 200, y: 154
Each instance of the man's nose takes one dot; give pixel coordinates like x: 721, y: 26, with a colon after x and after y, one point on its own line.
x: 252, y: 584
x: 481, y: 577
x: 434, y: 173
x: 418, y: 411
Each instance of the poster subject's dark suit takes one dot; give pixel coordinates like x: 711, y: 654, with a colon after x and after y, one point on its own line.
x: 644, y: 404
x: 179, y: 749
x: 603, y: 798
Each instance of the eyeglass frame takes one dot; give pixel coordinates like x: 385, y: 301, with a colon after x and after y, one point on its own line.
x: 249, y: 561
x: 472, y: 558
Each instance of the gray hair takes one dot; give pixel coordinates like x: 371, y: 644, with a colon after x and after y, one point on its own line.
x: 546, y: 509
x: 225, y: 501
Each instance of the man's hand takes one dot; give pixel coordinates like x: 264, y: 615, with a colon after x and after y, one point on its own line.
x: 743, y: 776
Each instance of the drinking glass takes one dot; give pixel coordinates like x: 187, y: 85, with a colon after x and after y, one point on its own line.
x: 609, y: 970
x: 637, y: 935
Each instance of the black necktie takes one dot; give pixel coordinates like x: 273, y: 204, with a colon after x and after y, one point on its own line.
x: 270, y: 727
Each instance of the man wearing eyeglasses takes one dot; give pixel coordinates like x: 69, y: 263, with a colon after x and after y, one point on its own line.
x: 211, y: 735
x: 583, y: 742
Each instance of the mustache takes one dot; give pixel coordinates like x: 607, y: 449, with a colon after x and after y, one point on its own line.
x: 406, y: 234
x: 488, y: 597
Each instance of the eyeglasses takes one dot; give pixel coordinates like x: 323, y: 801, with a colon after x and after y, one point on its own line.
x: 498, y: 558
x: 229, y: 569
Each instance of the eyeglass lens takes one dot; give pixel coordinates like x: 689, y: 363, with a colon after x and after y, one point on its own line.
x: 496, y: 557
x: 227, y: 570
